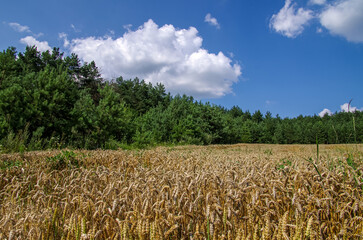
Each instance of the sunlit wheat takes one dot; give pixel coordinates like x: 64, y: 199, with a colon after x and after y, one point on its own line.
x: 214, y: 192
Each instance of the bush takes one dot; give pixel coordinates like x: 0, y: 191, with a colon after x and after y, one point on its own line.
x: 66, y: 159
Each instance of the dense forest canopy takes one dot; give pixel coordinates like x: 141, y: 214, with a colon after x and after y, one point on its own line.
x: 48, y: 100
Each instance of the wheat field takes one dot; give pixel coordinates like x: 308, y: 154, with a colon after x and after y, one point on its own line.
x: 187, y: 192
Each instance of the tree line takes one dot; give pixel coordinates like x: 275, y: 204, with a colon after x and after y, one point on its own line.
x: 50, y: 100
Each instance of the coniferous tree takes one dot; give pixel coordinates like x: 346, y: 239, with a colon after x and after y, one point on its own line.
x: 48, y: 96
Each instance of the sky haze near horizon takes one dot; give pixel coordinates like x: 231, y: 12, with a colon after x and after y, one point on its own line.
x: 287, y: 57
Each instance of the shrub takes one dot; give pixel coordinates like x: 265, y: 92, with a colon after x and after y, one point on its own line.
x: 65, y: 159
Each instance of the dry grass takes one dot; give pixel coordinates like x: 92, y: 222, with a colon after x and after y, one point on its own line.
x: 214, y: 192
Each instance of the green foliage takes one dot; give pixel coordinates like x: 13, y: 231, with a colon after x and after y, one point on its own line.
x: 115, y: 119
x: 257, y: 116
x: 246, y: 136
x: 40, y: 99
x: 283, y: 163
x: 51, y: 101
x: 15, y: 142
x: 351, y: 162
x: 85, y: 125
x: 8, y: 163
x: 37, y: 142
x: 98, y: 125
x: 8, y: 64
x: 141, y: 96
x: 65, y: 159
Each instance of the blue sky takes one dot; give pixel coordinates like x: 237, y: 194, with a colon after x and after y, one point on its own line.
x: 283, y: 56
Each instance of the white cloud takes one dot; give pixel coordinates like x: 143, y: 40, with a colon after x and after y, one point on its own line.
x: 317, y: 2
x: 348, y: 108
x: 23, y: 29
x: 19, y: 28
x: 211, y: 20
x: 343, y: 108
x: 174, y: 57
x: 290, y: 21
x: 38, y: 34
x: 64, y: 37
x: 344, y: 18
x: 41, y: 46
x: 324, y: 112
x: 127, y: 27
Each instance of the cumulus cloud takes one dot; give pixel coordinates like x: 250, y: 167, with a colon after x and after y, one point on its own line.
x: 290, y: 21
x: 344, y: 18
x: 324, y: 112
x: 19, y: 28
x: 348, y: 108
x: 173, y: 57
x: 31, y: 41
x: 211, y: 20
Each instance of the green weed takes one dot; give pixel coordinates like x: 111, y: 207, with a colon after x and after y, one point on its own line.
x: 310, y: 160
x: 15, y: 142
x: 7, y: 164
x: 351, y: 162
x: 65, y: 159
x: 358, y: 178
x: 283, y: 163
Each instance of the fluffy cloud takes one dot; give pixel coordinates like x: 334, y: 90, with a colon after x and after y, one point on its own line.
x: 346, y: 108
x: 325, y: 111
x: 290, y: 21
x: 341, y: 17
x: 211, y: 20
x: 30, y: 41
x: 343, y: 108
x: 19, y: 28
x: 344, y: 18
x: 174, y: 57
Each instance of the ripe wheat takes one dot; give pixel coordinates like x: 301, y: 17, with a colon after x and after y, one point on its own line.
x: 213, y: 192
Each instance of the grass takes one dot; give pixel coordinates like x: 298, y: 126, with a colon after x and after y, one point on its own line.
x: 212, y: 192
